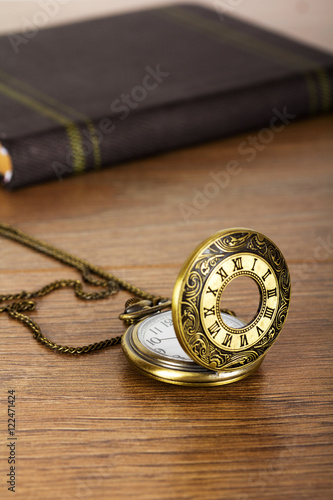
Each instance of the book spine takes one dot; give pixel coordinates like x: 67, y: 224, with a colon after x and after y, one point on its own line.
x: 149, y: 131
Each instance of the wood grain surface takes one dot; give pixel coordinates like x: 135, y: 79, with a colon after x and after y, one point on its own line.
x: 91, y: 426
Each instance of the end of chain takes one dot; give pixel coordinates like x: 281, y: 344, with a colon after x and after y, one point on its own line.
x: 136, y: 309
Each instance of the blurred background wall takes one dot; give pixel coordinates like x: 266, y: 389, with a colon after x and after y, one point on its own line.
x: 309, y: 21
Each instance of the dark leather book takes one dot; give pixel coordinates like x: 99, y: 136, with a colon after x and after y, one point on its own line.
x: 88, y: 95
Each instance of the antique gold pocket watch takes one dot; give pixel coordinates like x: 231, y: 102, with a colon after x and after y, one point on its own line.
x: 195, y: 343
x: 198, y: 344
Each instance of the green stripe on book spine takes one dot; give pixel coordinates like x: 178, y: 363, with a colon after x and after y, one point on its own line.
x: 58, y: 106
x: 248, y: 43
x: 72, y: 130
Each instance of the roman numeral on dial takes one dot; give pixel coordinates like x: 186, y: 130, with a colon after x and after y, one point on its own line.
x: 243, y: 340
x: 227, y: 340
x: 214, y: 329
x: 221, y: 272
x: 260, y: 331
x: 269, y: 313
x: 209, y: 311
x: 238, y: 265
x: 214, y: 292
x: 267, y: 273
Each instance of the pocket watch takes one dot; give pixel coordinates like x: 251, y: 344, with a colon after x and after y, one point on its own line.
x: 196, y: 343
x: 188, y: 340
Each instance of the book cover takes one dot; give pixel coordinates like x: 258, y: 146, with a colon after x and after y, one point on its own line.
x: 93, y: 94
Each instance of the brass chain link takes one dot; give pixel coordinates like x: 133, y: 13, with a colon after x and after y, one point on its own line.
x: 24, y: 301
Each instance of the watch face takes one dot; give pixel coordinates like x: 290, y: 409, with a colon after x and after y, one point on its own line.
x: 199, y: 324
x: 157, y: 335
x: 153, y: 348
x: 231, y: 338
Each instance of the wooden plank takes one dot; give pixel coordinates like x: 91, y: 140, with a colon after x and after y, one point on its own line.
x: 91, y: 426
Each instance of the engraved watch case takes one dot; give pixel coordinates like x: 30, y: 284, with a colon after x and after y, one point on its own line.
x: 214, y: 347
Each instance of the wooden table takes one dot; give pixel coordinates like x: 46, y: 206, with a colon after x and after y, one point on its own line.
x: 91, y: 426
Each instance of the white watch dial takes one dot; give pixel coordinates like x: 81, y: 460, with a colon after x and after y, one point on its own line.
x: 157, y: 334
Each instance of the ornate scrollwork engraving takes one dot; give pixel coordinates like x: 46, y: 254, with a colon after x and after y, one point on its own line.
x: 222, y: 258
